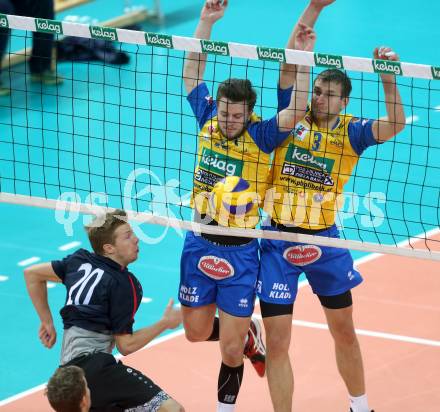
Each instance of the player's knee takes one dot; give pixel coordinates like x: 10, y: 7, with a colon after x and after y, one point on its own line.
x: 232, y: 350
x: 277, y: 343
x: 170, y: 405
x: 196, y: 335
x: 344, y: 335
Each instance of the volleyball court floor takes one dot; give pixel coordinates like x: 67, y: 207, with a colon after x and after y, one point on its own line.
x: 396, y: 308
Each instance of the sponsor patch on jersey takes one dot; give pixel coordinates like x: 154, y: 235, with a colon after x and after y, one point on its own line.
x: 215, y: 267
x: 300, y: 132
x: 302, y: 255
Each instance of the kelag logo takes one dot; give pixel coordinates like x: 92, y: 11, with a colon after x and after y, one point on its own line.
x: 160, y: 40
x: 303, y: 157
x: 220, y: 164
x: 387, y: 67
x: 103, y: 33
x: 271, y: 54
x: 435, y: 72
x: 49, y: 26
x: 329, y: 60
x: 4, y: 21
x: 215, y: 47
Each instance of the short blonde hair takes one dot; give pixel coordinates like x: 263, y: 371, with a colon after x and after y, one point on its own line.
x: 101, y: 234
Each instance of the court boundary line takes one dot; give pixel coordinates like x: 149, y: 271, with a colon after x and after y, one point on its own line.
x: 363, y: 332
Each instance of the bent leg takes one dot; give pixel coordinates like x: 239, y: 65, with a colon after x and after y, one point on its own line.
x: 198, y: 322
x: 233, y: 332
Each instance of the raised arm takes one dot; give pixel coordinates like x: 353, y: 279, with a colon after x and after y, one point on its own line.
x: 129, y: 343
x: 195, y: 63
x: 309, y: 17
x: 388, y: 126
x: 36, y: 278
x: 288, y: 117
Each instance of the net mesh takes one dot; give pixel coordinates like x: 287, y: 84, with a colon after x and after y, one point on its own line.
x: 124, y: 136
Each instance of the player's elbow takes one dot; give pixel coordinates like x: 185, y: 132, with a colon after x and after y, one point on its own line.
x: 400, y: 126
x: 124, y: 344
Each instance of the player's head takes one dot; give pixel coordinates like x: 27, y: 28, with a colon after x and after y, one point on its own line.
x: 67, y: 390
x: 330, y: 95
x: 235, y: 101
x: 110, y: 235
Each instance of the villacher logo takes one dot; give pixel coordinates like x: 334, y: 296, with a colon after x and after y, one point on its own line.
x: 215, y: 267
x: 302, y: 255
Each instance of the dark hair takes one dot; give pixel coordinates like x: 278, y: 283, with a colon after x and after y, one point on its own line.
x: 338, y: 77
x: 102, y: 229
x: 238, y: 90
x: 66, y: 388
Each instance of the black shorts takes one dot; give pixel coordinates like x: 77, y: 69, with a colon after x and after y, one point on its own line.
x: 117, y: 387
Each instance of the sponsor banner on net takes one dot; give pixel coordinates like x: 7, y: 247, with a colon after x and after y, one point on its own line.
x: 387, y: 67
x: 329, y: 60
x: 272, y: 54
x: 103, y: 33
x: 4, y: 21
x: 160, y: 40
x: 215, y: 47
x: 48, y: 26
x: 435, y: 72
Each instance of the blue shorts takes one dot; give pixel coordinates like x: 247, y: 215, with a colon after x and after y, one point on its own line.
x: 329, y: 270
x: 224, y: 275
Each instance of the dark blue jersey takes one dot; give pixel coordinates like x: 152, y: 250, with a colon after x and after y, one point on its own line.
x: 101, y: 295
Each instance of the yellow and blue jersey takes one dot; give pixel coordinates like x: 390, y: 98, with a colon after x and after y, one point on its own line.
x: 311, y: 167
x: 247, y: 156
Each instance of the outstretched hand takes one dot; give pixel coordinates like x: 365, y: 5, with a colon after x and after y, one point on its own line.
x: 385, y: 53
x: 172, y: 316
x: 47, y: 334
x: 305, y: 38
x: 213, y: 10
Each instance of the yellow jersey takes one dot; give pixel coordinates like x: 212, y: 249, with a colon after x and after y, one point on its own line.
x: 247, y: 156
x: 310, y: 170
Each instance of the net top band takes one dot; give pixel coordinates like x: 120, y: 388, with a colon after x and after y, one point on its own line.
x: 230, y: 49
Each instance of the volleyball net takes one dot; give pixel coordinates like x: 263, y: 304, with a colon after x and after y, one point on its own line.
x: 124, y: 136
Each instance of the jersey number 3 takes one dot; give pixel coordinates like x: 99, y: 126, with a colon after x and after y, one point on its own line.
x: 84, y: 286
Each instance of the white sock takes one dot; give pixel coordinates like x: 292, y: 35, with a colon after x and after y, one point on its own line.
x: 225, y: 407
x: 359, y: 403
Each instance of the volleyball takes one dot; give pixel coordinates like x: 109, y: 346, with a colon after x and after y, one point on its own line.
x: 232, y: 199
